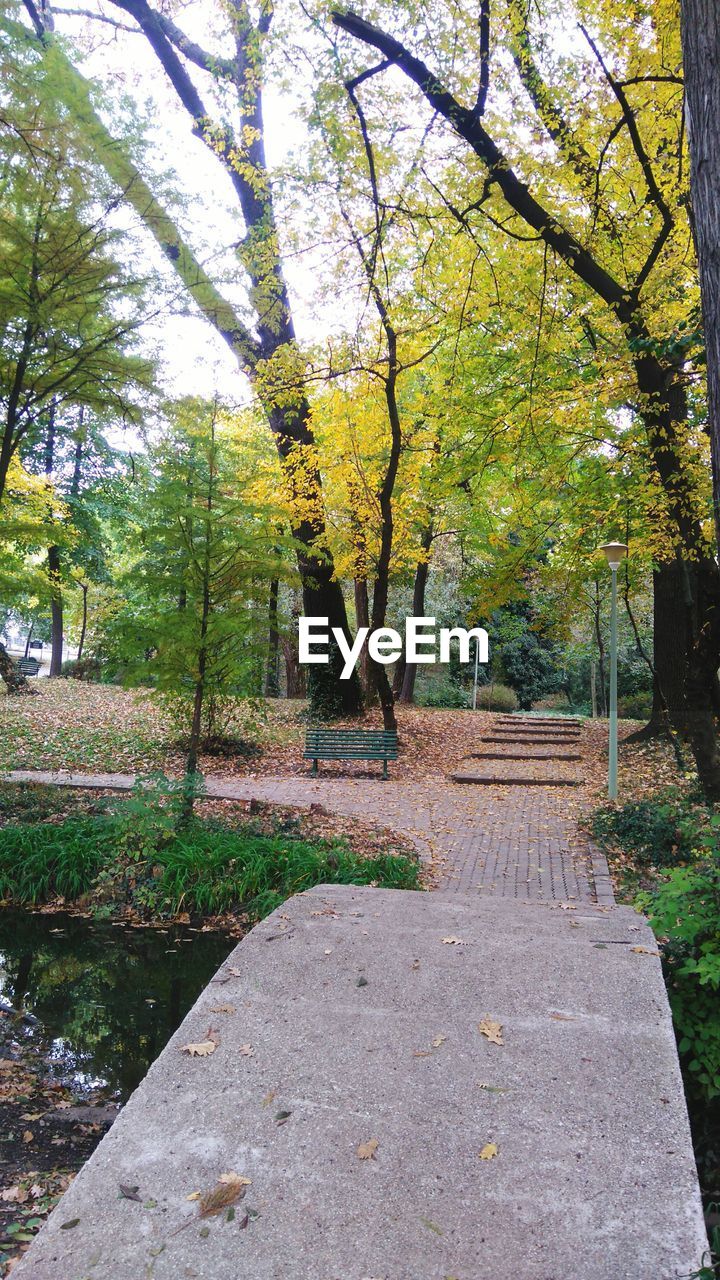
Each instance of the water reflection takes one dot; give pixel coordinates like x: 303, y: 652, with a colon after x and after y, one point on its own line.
x: 103, y: 998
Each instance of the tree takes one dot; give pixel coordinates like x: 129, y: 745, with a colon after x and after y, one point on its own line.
x: 194, y: 624
x: 270, y: 356
x: 701, y: 58
x: 598, y: 256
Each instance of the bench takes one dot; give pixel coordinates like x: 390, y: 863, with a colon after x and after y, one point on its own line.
x: 351, y: 744
x: 28, y: 666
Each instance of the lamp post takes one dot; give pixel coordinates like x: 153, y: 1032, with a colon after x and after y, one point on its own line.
x: 615, y: 553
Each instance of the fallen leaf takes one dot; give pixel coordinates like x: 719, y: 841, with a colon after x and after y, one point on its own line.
x: 366, y: 1150
x: 221, y: 1197
x: 422, y: 1053
x: 194, y: 1195
x: 202, y: 1049
x: 235, y: 1177
x: 491, y: 1030
x: 562, y: 1017
x: 68, y: 1226
x: 223, y: 1008
x: 438, y: 1041
x: 488, y: 1152
x: 28, y: 1136
x: 130, y: 1193
x: 16, y: 1194
x: 282, y: 1116
x: 454, y: 942
x: 246, y: 1050
x: 269, y: 1097
x: 644, y: 951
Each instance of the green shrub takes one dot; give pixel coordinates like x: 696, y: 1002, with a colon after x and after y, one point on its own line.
x: 82, y: 669
x: 444, y: 693
x: 496, y: 697
x: 140, y: 854
x: 662, y: 830
x: 685, y: 910
x: 635, y: 706
x: 30, y: 801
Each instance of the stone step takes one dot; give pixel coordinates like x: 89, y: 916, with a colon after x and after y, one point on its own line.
x: 543, y: 720
x: 497, y: 780
x: 514, y: 755
x: 527, y: 742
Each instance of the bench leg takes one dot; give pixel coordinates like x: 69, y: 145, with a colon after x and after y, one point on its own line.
x: 314, y: 767
x: 385, y: 772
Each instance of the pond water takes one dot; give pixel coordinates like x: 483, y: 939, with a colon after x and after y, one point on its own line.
x: 102, y: 998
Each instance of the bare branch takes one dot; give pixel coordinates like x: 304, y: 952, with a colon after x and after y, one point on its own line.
x: 481, y: 100
x: 99, y: 17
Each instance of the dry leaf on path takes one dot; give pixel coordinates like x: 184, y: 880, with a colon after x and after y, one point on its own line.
x: 221, y: 1197
x: 246, y: 1050
x: 562, y: 1017
x: 644, y: 951
x: 492, y: 1030
x: 489, y: 1151
x: 438, y: 1041
x: 235, y: 1177
x: 366, y: 1150
x: 454, y: 942
x: 223, y: 1008
x: 203, y: 1048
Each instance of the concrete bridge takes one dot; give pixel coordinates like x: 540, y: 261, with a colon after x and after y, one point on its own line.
x: 416, y: 1087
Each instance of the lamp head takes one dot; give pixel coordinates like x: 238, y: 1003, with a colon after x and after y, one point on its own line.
x: 615, y: 553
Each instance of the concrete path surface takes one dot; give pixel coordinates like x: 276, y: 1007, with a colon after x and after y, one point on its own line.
x: 348, y: 1024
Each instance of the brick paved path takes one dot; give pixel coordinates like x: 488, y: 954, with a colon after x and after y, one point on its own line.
x: 513, y: 842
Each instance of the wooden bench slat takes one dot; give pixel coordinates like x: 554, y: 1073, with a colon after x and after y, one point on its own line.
x: 350, y: 744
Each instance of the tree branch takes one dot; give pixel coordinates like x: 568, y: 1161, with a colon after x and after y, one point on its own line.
x: 516, y: 193
x: 484, y: 85
x: 98, y: 17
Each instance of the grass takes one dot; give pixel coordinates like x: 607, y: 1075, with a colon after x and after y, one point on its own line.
x: 160, y: 869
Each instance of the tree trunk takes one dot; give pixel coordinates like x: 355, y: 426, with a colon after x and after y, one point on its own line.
x: 29, y: 638
x: 601, y: 651
x: 10, y: 674
x: 362, y: 619
x: 272, y: 687
x: 56, y: 612
x: 701, y: 57
x: 593, y: 691
x: 83, y: 627
x: 670, y: 644
x: 407, y: 694
x: 53, y: 557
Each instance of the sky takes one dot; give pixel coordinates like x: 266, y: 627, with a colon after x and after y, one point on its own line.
x: 193, y: 359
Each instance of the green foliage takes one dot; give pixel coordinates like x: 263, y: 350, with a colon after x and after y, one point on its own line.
x: 444, y: 693
x: 142, y: 854
x: 685, y: 910
x: 82, y: 669
x: 29, y: 801
x: 497, y: 697
x: 675, y: 832
x: 636, y: 706
x: 659, y: 831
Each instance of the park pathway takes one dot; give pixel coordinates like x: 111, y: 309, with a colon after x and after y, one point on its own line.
x: 517, y: 837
